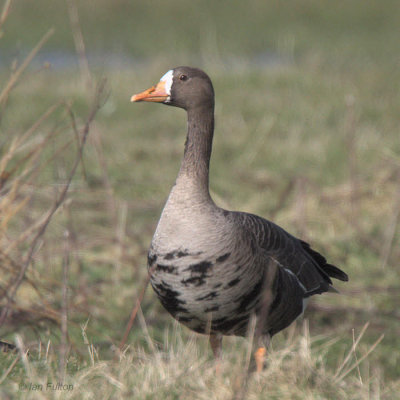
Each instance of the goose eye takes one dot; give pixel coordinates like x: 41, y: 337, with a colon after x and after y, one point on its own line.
x: 183, y: 77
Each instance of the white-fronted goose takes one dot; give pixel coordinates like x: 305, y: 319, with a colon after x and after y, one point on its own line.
x: 214, y: 269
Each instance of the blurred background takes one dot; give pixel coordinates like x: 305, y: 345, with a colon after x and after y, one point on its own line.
x: 307, y: 134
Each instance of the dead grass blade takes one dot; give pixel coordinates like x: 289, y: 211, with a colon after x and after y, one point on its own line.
x: 16, y: 75
x: 64, y: 306
x: 97, y: 102
x: 9, y: 205
x: 79, y: 42
x: 390, y: 231
x: 134, y: 312
x: 359, y: 361
x: 9, y: 369
x: 5, y: 12
x: 339, y: 375
x: 352, y: 350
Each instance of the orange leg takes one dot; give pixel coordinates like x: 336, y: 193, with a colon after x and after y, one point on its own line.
x: 260, y: 356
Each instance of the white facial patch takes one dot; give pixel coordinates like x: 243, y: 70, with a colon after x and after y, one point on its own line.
x: 167, y: 78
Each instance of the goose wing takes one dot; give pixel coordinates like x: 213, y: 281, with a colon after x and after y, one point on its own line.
x: 293, y: 255
x: 299, y: 271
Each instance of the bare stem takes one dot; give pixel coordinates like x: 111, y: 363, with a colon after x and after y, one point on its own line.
x: 84, y: 134
x: 16, y: 75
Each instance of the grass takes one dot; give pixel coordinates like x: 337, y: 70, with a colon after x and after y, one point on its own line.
x: 309, y: 140
x: 181, y: 368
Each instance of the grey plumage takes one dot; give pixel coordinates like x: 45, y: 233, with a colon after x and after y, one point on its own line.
x: 214, y: 269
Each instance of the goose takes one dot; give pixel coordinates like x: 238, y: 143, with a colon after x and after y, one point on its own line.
x: 216, y: 271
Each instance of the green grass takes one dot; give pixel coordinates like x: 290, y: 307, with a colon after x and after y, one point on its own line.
x: 310, y: 142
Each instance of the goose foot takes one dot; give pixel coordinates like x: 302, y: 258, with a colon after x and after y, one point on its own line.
x: 260, y: 356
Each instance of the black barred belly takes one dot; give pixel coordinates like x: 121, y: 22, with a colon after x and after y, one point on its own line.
x: 194, y: 296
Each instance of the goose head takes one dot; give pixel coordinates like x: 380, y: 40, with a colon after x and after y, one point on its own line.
x: 183, y: 87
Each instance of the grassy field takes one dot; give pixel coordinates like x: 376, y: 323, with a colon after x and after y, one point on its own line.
x: 307, y: 134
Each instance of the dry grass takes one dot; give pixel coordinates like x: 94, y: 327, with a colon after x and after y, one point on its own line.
x: 20, y: 169
x: 181, y: 370
x: 25, y: 161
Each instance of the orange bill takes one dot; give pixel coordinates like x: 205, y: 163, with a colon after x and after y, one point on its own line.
x: 156, y: 94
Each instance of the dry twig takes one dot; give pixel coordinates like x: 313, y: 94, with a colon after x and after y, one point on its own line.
x: 5, y: 12
x: 16, y: 75
x: 97, y: 102
x: 134, y: 311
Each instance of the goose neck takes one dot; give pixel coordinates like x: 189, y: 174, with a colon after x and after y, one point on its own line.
x: 198, y: 145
